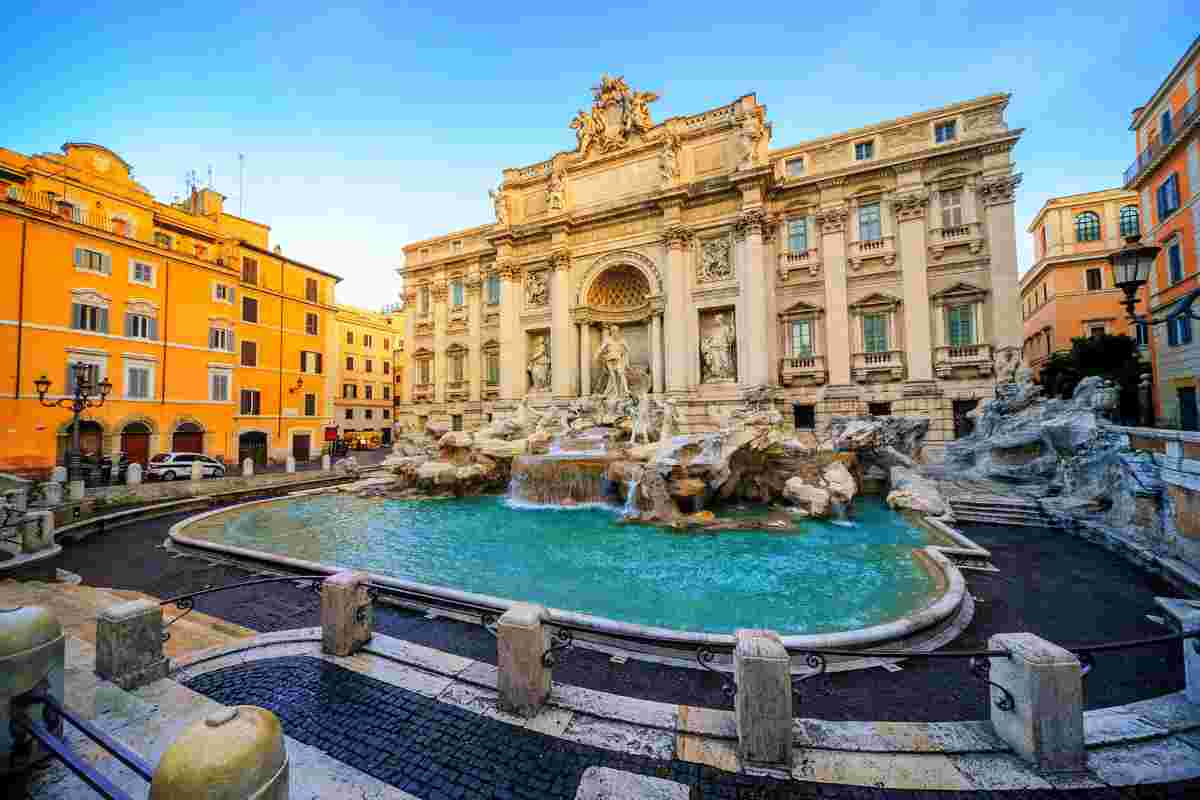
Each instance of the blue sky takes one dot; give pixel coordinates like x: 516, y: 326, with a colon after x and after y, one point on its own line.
x: 368, y: 127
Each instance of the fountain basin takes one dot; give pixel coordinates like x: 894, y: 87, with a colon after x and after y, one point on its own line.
x: 819, y: 584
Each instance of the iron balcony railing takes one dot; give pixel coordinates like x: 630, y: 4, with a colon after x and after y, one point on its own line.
x: 1163, y: 140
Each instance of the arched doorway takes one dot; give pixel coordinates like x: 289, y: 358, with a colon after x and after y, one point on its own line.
x: 188, y: 438
x: 91, y: 439
x: 135, y: 442
x: 253, y: 445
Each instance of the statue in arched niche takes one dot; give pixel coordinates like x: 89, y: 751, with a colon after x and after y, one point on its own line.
x: 614, y: 355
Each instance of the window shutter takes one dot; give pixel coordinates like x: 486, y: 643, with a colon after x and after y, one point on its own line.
x: 232, y: 294
x: 232, y: 347
x: 103, y: 328
x: 129, y: 324
x: 70, y: 381
x: 78, y: 257
x: 1185, y: 330
x: 154, y: 329
x: 1172, y: 333
x: 106, y: 264
x: 318, y: 363
x: 76, y: 314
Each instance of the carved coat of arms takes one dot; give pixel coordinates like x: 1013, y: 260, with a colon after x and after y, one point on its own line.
x: 618, y: 112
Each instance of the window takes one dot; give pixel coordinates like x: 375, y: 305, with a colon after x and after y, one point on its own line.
x: 310, y: 324
x: 456, y: 367
x: 367, y: 341
x: 456, y: 246
x: 249, y: 309
x: 1096, y: 330
x: 423, y: 300
x: 1095, y: 281
x: 350, y: 363
x: 220, y: 339
x: 952, y: 210
x: 369, y: 392
x: 797, y: 230
x: 869, y: 229
x: 944, y: 132
x: 804, y: 417
x: 425, y: 371
x: 386, y: 368
x: 1141, y: 335
x: 141, y: 326
x: 456, y: 422
x: 368, y: 413
x: 960, y: 325
x: 310, y: 362
x: 802, y: 344
x: 92, y: 376
x: 794, y: 167
x: 368, y: 365
x: 387, y: 414
x: 879, y: 409
x: 350, y: 391
x: 139, y: 382
x: 387, y: 343
x: 493, y: 368
x: 456, y: 293
x: 349, y: 337
x: 162, y: 240
x: 310, y: 290
x: 875, y: 333
x: 218, y: 386
x: 249, y: 354
x: 864, y: 151
x: 1087, y: 227
x: 222, y: 293
x: 87, y: 317
x: 387, y: 393
x: 1164, y: 127
x: 1175, y: 261
x: 251, y: 402
x: 141, y: 272
x: 92, y: 261
x: 1168, y: 196
x: 349, y: 413
x: 249, y: 270
x: 310, y: 405
x: 493, y: 289
x: 1130, y: 222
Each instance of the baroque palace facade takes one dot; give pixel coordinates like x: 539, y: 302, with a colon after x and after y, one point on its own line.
x: 872, y: 271
x: 213, y: 341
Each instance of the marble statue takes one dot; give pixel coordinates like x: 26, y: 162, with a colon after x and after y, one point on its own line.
x: 1006, y: 363
x: 748, y: 135
x: 641, y: 420
x: 668, y: 161
x: 588, y: 128
x: 614, y: 354
x: 536, y: 293
x: 670, y: 421
x: 637, y: 114
x: 556, y: 192
x: 539, y: 364
x: 499, y: 204
x: 717, y: 349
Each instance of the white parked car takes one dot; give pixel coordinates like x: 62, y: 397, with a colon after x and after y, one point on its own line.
x: 172, y: 466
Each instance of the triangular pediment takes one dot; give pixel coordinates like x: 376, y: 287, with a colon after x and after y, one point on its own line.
x: 801, y: 308
x: 876, y: 299
x: 959, y: 290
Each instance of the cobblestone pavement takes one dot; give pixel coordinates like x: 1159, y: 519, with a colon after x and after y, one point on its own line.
x: 438, y: 751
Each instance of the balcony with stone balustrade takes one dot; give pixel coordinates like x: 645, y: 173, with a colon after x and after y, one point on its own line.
x: 803, y: 370
x: 950, y: 361
x: 969, y: 235
x: 882, y: 367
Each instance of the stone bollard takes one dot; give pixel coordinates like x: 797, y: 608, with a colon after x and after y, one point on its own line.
x: 1045, y: 726
x: 521, y: 641
x: 129, y: 644
x: 133, y: 475
x: 52, y: 493
x: 1186, y: 616
x: 233, y: 753
x: 326, y: 463
x: 197, y: 471
x: 59, y: 474
x: 763, y: 705
x: 37, y: 531
x: 346, y: 613
x: 75, y: 491
x: 289, y: 464
x: 247, y: 467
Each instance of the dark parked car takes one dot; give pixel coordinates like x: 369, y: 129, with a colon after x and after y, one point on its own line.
x: 99, y: 469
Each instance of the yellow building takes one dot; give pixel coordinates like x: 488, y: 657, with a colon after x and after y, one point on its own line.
x: 213, y: 342
x: 370, y: 351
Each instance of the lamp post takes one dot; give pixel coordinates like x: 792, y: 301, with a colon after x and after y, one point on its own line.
x: 83, y: 399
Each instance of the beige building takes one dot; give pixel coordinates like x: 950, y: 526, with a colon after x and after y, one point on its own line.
x: 367, y: 345
x: 872, y: 271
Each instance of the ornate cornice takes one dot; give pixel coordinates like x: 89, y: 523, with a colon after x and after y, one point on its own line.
x: 1001, y: 190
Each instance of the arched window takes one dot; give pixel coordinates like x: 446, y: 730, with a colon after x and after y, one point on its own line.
x: 1130, y: 223
x: 1087, y: 227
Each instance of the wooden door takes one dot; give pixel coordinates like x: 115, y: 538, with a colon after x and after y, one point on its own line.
x: 301, y: 444
x: 187, y: 442
x: 136, y: 447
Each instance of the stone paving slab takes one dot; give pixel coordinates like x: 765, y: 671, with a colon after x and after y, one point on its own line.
x: 603, y: 783
x: 1161, y: 761
x: 911, y: 737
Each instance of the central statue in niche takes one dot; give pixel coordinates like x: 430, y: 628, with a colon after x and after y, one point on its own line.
x: 614, y: 354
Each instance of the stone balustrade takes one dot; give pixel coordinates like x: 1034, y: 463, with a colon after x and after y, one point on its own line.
x: 887, y: 365
x: 808, y: 369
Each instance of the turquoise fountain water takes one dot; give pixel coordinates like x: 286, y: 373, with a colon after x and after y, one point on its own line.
x: 815, y: 577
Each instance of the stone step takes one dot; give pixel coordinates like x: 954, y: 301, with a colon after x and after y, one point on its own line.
x: 1011, y: 512
x: 1027, y: 521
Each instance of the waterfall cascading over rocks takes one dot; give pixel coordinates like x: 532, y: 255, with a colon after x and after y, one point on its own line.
x: 560, y: 480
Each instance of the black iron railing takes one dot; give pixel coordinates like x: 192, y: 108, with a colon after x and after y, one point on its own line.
x: 187, y: 602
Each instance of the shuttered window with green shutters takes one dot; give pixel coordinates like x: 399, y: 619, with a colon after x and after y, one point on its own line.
x: 960, y: 322
x: 140, y: 326
x: 93, y: 261
x: 875, y: 333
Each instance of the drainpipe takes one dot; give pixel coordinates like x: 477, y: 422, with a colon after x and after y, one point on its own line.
x: 282, y: 303
x: 20, y: 312
x: 166, y: 310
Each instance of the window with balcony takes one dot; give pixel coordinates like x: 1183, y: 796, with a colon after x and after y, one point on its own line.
x: 869, y: 223
x: 797, y: 230
x: 945, y: 132
x: 249, y: 270
x: 251, y: 402
x: 493, y: 289
x: 952, y: 208
x: 1167, y: 196
x: 310, y: 289
x: 249, y: 309
x: 794, y: 167
x: 960, y: 325
x: 801, y: 339
x: 310, y: 324
x: 1087, y: 226
x: 1175, y: 261
x: 864, y: 151
x: 875, y: 333
x: 1130, y: 221
x: 249, y: 354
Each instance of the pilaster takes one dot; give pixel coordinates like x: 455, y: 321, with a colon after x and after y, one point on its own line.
x: 678, y: 351
x: 656, y: 353
x: 832, y: 226
x: 753, y: 348
x: 441, y: 372
x: 910, y: 214
x: 512, y: 348
x: 585, y: 358
x: 998, y: 195
x: 472, y: 285
x: 562, y: 368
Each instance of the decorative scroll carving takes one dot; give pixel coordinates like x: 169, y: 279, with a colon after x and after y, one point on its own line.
x: 536, y: 292
x: 715, y: 260
x: 508, y: 270
x: 998, y: 191
x: 750, y: 222
x: 560, y: 260
x: 438, y: 291
x: 617, y: 113
x: 911, y: 205
x: 677, y: 237
x: 473, y: 282
x: 833, y: 220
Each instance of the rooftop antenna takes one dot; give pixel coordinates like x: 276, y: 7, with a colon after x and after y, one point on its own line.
x: 241, y: 184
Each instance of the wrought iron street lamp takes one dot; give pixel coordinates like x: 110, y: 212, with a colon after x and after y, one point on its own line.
x: 1131, y: 267
x: 83, y: 399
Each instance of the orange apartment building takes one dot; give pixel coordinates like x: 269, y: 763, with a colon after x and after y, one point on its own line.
x: 213, y: 341
x: 1069, y: 290
x: 370, y: 359
x: 1166, y: 176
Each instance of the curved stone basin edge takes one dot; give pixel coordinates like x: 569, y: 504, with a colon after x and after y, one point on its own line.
x: 933, y: 613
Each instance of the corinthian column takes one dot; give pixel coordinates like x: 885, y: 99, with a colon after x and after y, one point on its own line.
x: 832, y: 224
x: 997, y: 195
x: 910, y: 212
x: 585, y: 358
x: 474, y: 357
x: 441, y: 371
x: 679, y: 351
x: 753, y: 349
x: 656, y: 370
x: 562, y: 366
x: 512, y: 345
